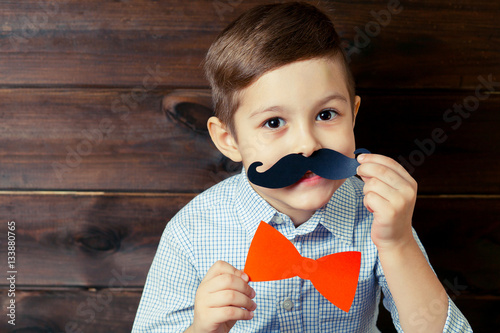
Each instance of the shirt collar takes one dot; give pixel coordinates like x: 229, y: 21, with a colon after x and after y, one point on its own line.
x: 338, y: 216
x: 251, y: 207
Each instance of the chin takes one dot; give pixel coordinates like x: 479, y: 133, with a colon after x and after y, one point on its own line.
x: 301, y: 199
x: 311, y: 203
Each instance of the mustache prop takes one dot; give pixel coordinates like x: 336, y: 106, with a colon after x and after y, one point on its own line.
x: 326, y: 163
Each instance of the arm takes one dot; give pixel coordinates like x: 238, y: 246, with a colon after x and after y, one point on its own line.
x: 390, y: 194
x: 167, y: 301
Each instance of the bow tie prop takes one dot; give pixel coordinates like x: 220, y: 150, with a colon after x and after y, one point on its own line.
x: 273, y: 257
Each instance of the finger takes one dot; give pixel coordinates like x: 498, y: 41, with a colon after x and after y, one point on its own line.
x: 380, y: 171
x: 242, y: 275
x: 229, y: 282
x: 399, y: 198
x: 230, y: 313
x: 221, y: 267
x: 376, y: 203
x: 379, y: 186
x: 386, y: 175
x: 225, y: 298
x: 388, y: 162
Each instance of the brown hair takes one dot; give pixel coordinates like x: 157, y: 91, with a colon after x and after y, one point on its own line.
x: 265, y: 38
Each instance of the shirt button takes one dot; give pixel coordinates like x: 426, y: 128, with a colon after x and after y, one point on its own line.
x: 277, y: 219
x: 287, y: 304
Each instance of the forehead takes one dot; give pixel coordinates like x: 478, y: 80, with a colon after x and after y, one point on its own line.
x: 300, y: 84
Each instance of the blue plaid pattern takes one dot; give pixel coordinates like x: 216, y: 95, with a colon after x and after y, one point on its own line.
x: 219, y: 224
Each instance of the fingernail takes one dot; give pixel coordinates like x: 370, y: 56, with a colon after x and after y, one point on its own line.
x: 361, y: 157
x: 245, y: 277
x: 253, y: 293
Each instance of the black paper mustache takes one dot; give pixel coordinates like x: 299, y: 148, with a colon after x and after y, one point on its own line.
x: 326, y: 163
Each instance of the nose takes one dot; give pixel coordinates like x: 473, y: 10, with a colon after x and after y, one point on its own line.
x: 306, y: 141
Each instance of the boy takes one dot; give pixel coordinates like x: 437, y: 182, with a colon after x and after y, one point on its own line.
x: 281, y: 85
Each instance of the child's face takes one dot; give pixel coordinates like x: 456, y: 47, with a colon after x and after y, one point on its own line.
x: 297, y: 108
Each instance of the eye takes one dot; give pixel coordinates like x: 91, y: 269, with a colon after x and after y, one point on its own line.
x: 274, y: 123
x: 326, y: 115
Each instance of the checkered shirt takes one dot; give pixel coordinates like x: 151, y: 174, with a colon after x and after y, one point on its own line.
x: 220, y: 223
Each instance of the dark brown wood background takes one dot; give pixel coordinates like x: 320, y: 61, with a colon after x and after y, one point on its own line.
x: 102, y: 139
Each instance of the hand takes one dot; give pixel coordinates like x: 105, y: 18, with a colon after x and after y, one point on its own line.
x: 222, y: 298
x: 390, y: 194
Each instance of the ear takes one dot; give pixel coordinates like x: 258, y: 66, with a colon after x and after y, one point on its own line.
x: 223, y: 139
x: 357, y: 102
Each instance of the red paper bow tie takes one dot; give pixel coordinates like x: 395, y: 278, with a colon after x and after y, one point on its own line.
x: 273, y: 257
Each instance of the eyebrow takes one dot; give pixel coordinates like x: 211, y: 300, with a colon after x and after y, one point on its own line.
x: 333, y: 96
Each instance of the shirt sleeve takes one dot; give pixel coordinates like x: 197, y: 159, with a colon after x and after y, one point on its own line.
x: 455, y: 321
x: 167, y: 302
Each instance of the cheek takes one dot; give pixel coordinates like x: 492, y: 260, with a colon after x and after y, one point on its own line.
x: 248, y: 154
x: 254, y: 147
x: 251, y: 151
x: 342, y: 142
x: 267, y: 155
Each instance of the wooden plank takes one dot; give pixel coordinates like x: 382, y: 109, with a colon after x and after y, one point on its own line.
x: 74, y: 310
x: 92, y: 139
x: 444, y: 150
x: 439, y: 44
x: 71, y: 310
x: 72, y: 239
x: 462, y: 238
x: 89, y: 239
x: 95, y: 139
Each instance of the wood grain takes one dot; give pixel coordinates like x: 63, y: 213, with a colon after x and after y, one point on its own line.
x: 462, y: 238
x: 59, y: 139
x: 90, y: 239
x: 103, y: 106
x: 91, y: 139
x: 73, y: 310
x: 87, y: 239
x: 445, y: 150
x: 112, y: 43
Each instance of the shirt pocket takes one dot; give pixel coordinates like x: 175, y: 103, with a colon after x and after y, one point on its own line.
x: 362, y: 315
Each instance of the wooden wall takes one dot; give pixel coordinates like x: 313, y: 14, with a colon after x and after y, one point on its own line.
x: 102, y: 140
